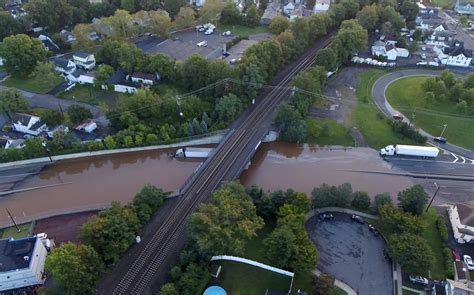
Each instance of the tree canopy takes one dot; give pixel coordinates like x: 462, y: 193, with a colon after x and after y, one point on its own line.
x: 21, y: 53
x: 413, y: 199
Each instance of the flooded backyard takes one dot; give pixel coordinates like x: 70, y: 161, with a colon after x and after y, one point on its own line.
x: 97, y: 181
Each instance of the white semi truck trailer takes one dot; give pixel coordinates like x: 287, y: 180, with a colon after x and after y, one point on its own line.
x: 409, y: 150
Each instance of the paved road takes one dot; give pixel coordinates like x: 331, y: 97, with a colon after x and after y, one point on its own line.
x: 51, y: 102
x: 352, y: 254
x: 378, y: 92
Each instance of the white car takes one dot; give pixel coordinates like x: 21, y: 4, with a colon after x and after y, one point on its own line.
x: 468, y: 260
x: 208, y: 32
x: 418, y: 280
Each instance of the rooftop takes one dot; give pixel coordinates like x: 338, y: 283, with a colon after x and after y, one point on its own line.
x: 82, y: 72
x: 84, y: 136
x: 466, y: 214
x: 82, y: 54
x: 144, y: 76
x: 461, y: 270
x: 24, y: 119
x: 16, y: 254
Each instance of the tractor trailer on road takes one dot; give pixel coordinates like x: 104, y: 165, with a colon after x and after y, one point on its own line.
x: 409, y: 150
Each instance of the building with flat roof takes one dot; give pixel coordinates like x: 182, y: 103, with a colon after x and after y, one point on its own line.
x: 462, y: 222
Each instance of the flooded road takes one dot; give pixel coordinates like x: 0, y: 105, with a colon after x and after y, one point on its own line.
x: 281, y: 166
x: 97, y: 181
x: 94, y: 182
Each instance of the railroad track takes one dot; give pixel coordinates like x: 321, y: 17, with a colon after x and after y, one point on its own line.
x: 218, y: 167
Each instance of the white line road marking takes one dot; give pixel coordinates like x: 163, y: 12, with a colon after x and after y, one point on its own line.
x: 463, y: 159
x: 454, y: 157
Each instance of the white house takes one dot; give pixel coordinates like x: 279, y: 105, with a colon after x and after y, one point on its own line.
x: 88, y: 126
x: 321, y: 6
x: 288, y: 8
x: 143, y: 78
x: 464, y: 9
x: 119, y: 82
x: 67, y: 36
x: 455, y: 55
x: 462, y: 222
x: 64, y: 66
x: 28, y: 124
x: 9, y: 143
x: 21, y: 263
x: 57, y: 129
x: 82, y: 77
x: 84, y: 60
x: 388, y: 50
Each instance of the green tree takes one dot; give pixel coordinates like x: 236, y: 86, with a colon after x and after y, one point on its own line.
x: 110, y: 142
x: 228, y: 108
x: 169, y: 289
x: 173, y: 6
x: 252, y: 18
x: 281, y: 247
x: 323, y: 284
x: 396, y: 221
x: 326, y: 196
x: 147, y: 202
x: 409, y: 9
x: 413, y: 199
x: 11, y: 26
x: 360, y: 200
x: 412, y: 252
x: 211, y: 10
x: 448, y: 78
x: 279, y: 24
x: 327, y: 58
x: 390, y: 15
x: 382, y: 200
x: 193, y: 280
x: 194, y: 72
x: 52, y: 118
x: 368, y: 17
x: 300, y: 201
x: 128, y: 5
x: 78, y: 114
x: 185, y: 18
x: 20, y: 63
x: 230, y: 14
x: 162, y: 65
x: 103, y: 73
x: 54, y: 15
x: 300, y: 29
x: 12, y: 101
x: 464, y: 20
x: 45, y: 74
x: 226, y: 224
x: 76, y: 268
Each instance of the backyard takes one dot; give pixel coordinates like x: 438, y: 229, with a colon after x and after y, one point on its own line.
x: 368, y: 118
x: 32, y: 84
x: 91, y: 95
x: 406, y: 95
x: 12, y: 231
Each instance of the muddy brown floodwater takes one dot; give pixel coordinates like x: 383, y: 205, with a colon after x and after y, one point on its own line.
x: 95, y: 182
x: 281, y: 166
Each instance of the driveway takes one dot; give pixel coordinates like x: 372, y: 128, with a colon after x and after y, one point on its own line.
x: 378, y: 92
x: 352, y: 254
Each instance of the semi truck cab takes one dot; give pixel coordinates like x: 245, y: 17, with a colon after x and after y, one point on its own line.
x: 389, y: 150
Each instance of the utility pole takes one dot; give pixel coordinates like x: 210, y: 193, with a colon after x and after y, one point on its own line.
x: 13, y: 220
x: 413, y: 116
x: 444, y: 128
x: 437, y: 189
x: 47, y: 150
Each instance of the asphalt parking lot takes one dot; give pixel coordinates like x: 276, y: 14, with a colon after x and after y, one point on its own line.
x: 352, y: 254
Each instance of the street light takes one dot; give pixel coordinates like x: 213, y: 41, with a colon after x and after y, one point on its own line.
x: 43, y: 143
x: 437, y: 189
x: 444, y: 128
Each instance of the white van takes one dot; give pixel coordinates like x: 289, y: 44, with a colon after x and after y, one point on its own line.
x: 202, y: 44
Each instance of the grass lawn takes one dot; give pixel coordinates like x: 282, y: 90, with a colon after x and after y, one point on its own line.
x: 243, y: 279
x: 368, y: 118
x: 337, y: 291
x: 243, y: 31
x: 337, y: 134
x: 91, y: 95
x: 431, y: 235
x: 407, y: 96
x: 31, y: 84
x: 12, y: 232
x: 442, y: 3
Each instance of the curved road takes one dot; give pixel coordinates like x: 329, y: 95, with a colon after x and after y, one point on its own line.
x: 378, y: 92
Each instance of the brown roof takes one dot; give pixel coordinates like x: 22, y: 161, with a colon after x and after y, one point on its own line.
x: 466, y: 214
x: 461, y: 270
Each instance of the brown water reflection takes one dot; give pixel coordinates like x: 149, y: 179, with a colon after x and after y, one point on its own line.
x: 281, y: 166
x: 96, y: 181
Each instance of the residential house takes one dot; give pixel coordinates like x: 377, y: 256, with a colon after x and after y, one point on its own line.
x: 9, y: 143
x: 67, y: 36
x: 28, y: 124
x: 49, y: 44
x: 272, y: 10
x: 84, y: 60
x: 455, y: 55
x: 63, y: 66
x: 462, y: 222
x: 143, y: 78
x: 21, y: 263
x: 15, y: 9
x: 297, y: 12
x: 82, y: 77
x: 87, y: 126
x: 464, y: 8
x: 120, y: 83
x: 428, y: 12
x: 288, y: 8
x: 388, y: 50
x: 56, y: 129
x: 321, y: 6
x: 461, y: 285
x: 96, y: 1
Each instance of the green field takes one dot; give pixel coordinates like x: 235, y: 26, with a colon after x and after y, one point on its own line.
x: 407, y: 96
x: 368, y: 118
x: 408, y: 292
x: 336, y: 134
x: 243, y: 31
x: 337, y: 291
x: 90, y: 95
x: 433, y: 238
x: 32, y: 84
x: 12, y: 231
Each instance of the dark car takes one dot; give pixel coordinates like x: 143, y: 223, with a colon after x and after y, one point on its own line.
x: 373, y: 230
x: 440, y: 139
x: 357, y: 218
x: 398, y: 117
x: 326, y: 216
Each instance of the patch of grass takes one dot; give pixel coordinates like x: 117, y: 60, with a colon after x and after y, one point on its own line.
x: 12, y: 232
x: 91, y: 95
x: 408, y: 292
x: 338, y: 291
x: 243, y: 279
x: 243, y: 31
x: 333, y: 134
x: 32, y: 84
x: 442, y: 3
x: 433, y: 238
x: 407, y: 96
x: 368, y: 118
x: 413, y: 286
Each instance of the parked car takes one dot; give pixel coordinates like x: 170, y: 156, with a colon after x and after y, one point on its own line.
x: 373, y: 230
x: 209, y: 32
x: 227, y: 33
x: 398, y: 117
x: 456, y: 256
x: 423, y: 56
x: 326, y: 216
x: 202, y: 44
x: 201, y: 29
x: 198, y: 27
x: 418, y: 280
x: 357, y: 218
x: 469, y: 262
x: 440, y: 139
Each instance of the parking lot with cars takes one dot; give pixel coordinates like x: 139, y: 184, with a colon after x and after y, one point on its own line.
x: 351, y: 252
